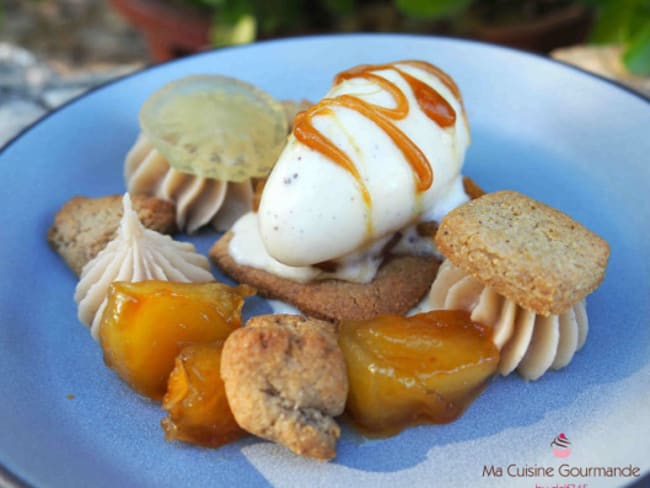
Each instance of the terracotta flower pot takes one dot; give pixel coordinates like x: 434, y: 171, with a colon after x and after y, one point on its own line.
x: 170, y: 31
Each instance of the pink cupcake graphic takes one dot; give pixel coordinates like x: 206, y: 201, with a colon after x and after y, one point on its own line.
x: 561, y: 446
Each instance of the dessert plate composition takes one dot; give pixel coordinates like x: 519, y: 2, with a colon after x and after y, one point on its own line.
x: 555, y: 133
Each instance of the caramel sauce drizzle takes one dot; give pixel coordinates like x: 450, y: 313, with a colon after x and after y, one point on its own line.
x: 430, y: 101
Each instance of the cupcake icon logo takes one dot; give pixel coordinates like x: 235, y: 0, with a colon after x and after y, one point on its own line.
x: 561, y: 446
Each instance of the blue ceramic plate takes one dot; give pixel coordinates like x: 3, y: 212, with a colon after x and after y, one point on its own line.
x: 562, y: 136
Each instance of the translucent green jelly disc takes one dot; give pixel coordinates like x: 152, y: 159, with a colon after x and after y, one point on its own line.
x: 216, y: 127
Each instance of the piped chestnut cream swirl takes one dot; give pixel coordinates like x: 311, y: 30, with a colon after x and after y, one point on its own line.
x: 199, y: 201
x: 135, y: 254
x: 529, y: 343
x: 524, y: 269
x: 380, y: 151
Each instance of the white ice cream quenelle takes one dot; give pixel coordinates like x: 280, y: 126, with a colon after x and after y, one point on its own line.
x: 199, y: 201
x: 530, y: 343
x: 136, y: 254
x: 375, y: 120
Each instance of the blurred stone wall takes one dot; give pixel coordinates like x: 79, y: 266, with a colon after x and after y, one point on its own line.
x: 54, y: 50
x: 73, y: 32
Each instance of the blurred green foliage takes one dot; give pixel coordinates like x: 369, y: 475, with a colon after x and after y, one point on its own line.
x: 272, y: 16
x: 432, y: 9
x: 239, y: 21
x: 625, y: 22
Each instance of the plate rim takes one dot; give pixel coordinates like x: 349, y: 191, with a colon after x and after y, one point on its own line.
x: 8, y: 478
x: 298, y: 39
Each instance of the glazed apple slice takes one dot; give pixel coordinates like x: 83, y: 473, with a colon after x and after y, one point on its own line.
x: 404, y: 371
x: 145, y: 324
x: 196, y: 401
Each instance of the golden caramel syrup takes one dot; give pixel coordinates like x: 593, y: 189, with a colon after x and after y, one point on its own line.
x: 430, y: 101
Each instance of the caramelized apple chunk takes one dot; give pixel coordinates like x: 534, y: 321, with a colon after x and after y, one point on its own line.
x: 409, y: 370
x: 145, y: 324
x: 196, y: 399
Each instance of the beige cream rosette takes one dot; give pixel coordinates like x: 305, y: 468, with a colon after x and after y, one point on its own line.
x: 529, y: 343
x: 199, y: 201
x: 136, y: 254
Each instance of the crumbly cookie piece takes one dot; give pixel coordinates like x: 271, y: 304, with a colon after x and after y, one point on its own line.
x: 84, y: 225
x: 531, y: 253
x: 399, y: 285
x: 285, y: 379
